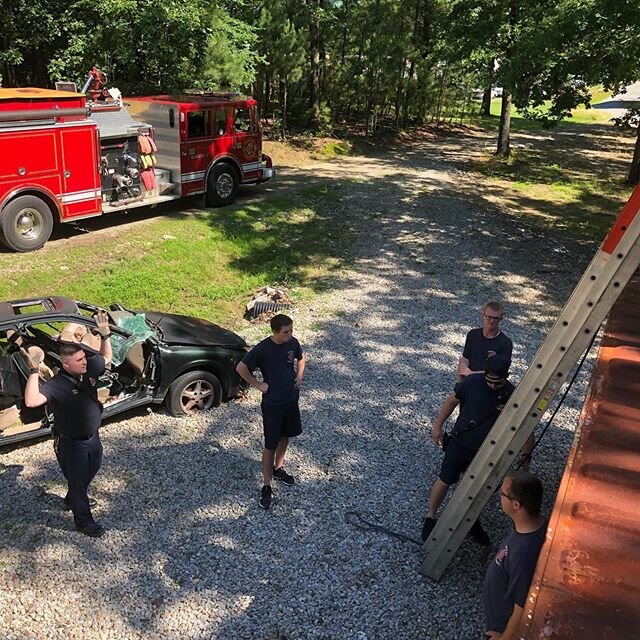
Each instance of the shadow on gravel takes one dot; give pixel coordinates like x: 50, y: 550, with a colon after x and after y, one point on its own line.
x: 193, y: 550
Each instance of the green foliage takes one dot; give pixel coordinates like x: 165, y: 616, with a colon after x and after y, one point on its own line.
x: 231, y: 60
x: 326, y: 64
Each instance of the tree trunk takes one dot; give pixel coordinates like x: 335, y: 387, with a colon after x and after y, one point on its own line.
x: 266, y: 94
x: 504, y: 133
x: 399, y: 93
x: 485, y: 109
x: 314, y: 32
x: 285, y: 96
x: 634, y: 169
x: 407, y: 95
x: 343, y: 48
x: 440, y: 97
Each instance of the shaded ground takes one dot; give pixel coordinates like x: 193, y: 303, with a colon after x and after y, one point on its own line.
x: 190, y: 555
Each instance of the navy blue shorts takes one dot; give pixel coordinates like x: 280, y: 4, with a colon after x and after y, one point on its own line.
x: 280, y: 421
x: 457, y: 459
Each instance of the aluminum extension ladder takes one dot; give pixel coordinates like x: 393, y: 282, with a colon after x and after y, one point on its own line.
x: 606, y: 276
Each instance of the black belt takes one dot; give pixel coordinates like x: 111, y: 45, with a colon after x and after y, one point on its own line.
x: 68, y: 437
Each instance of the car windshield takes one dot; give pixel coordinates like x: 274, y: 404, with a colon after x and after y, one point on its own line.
x: 155, y: 326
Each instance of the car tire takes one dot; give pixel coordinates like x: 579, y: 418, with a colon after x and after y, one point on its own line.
x: 222, y: 185
x: 192, y: 392
x: 26, y: 224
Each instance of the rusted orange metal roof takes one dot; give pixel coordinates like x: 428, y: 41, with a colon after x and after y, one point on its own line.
x: 587, y: 582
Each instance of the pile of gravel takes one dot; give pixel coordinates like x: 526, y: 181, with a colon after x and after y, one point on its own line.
x: 189, y: 554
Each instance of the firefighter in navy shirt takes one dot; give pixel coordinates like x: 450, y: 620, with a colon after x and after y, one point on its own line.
x: 276, y: 357
x: 509, y: 575
x: 73, y: 398
x: 485, y: 342
x: 481, y: 398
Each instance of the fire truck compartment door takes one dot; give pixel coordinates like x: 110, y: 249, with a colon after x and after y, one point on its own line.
x: 27, y: 155
x: 81, y: 180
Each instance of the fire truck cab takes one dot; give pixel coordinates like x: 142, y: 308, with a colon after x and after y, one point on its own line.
x: 63, y: 158
x: 211, y: 142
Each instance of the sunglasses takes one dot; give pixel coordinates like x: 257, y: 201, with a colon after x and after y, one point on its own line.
x: 495, y: 380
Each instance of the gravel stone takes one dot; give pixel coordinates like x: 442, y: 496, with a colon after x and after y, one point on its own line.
x: 189, y: 554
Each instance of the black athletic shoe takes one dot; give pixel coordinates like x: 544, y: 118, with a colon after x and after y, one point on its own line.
x: 427, y: 527
x: 265, y: 497
x: 478, y: 534
x: 93, y: 530
x: 283, y: 476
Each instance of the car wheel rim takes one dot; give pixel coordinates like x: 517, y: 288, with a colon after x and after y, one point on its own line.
x: 224, y: 185
x: 29, y: 223
x: 197, y: 396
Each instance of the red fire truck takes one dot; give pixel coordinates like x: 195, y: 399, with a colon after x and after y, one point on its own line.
x: 65, y: 157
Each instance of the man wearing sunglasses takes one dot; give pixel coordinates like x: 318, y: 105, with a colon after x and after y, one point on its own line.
x: 481, y: 397
x: 485, y: 342
x: 509, y: 575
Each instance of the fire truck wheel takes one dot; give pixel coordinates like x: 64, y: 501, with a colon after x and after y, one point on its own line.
x: 26, y: 224
x: 222, y: 187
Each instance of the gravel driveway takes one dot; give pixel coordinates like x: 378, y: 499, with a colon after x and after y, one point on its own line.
x: 189, y: 554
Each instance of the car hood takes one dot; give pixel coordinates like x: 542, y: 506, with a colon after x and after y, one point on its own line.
x: 177, y: 329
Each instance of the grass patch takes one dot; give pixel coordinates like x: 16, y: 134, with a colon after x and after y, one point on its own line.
x: 564, y: 188
x: 580, y: 115
x: 336, y: 148
x: 204, y: 262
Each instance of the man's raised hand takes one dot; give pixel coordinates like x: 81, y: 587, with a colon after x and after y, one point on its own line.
x: 32, y: 363
x: 102, y: 324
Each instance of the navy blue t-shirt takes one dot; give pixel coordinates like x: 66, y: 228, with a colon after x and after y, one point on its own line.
x: 481, y: 404
x: 276, y: 362
x: 74, y: 402
x: 477, y: 347
x: 509, y: 576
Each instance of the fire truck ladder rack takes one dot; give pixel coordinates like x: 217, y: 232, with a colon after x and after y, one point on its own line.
x: 601, y: 284
x: 218, y: 95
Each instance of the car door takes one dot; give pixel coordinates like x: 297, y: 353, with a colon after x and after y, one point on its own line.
x: 17, y: 422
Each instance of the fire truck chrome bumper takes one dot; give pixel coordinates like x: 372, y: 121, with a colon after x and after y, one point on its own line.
x: 268, y: 173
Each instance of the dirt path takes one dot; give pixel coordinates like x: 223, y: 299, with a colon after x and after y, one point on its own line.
x: 189, y: 554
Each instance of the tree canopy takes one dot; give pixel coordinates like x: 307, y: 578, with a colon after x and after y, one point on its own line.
x: 323, y: 64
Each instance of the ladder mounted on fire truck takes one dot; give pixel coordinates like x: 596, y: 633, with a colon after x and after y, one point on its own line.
x: 604, y: 279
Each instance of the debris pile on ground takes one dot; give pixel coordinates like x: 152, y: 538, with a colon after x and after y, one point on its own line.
x: 267, y: 301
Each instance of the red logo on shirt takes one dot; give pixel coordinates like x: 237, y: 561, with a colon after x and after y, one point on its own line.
x: 291, y: 356
x: 501, y: 555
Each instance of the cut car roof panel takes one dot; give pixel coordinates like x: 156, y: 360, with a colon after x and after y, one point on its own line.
x: 33, y: 307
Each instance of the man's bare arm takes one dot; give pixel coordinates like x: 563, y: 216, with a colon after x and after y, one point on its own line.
x: 510, y: 632
x: 245, y: 373
x: 463, y: 367
x: 445, y: 411
x: 32, y: 396
x: 300, y: 373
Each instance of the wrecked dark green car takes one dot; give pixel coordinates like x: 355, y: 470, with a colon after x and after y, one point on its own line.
x: 186, y: 363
